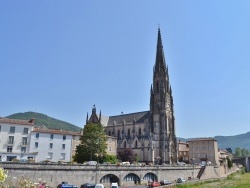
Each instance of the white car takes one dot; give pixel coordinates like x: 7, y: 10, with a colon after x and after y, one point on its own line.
x: 181, y: 180
x: 114, y: 185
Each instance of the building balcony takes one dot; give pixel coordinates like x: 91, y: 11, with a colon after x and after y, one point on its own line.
x: 24, y: 143
x: 10, y: 143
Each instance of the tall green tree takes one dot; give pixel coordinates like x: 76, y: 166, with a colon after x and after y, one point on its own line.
x: 93, y: 143
x: 229, y: 162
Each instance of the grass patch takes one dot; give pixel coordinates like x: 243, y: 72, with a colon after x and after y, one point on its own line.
x: 236, y: 180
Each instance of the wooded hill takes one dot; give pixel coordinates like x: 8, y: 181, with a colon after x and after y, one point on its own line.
x: 44, y: 121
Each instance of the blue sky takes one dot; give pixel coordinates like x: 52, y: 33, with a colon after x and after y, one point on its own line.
x: 61, y: 57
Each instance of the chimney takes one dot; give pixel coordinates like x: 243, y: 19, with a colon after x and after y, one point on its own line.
x: 32, y: 120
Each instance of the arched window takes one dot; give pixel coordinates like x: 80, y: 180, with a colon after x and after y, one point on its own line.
x: 109, y: 133
x: 128, y: 132
x: 139, y: 131
x: 118, y: 134
x: 136, y: 144
x: 125, y: 144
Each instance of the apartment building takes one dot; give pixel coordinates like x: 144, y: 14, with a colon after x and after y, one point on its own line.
x: 183, y: 152
x: 203, y: 149
x: 15, y: 139
x: 52, y: 145
x: 19, y: 139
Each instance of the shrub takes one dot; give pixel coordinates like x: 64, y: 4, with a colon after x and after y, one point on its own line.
x: 3, y: 175
x: 15, y: 160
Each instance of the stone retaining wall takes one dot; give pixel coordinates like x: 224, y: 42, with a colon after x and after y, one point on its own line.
x: 54, y: 174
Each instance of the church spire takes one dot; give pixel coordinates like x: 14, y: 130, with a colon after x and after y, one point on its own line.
x: 160, y: 64
x: 87, y: 119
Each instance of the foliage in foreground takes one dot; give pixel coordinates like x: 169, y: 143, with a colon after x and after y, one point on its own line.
x: 3, y: 175
x: 236, y: 180
x: 23, y: 182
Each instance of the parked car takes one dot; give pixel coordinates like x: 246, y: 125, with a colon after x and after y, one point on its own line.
x: 165, y: 182
x: 99, y: 186
x: 203, y: 163
x: 181, y: 163
x: 88, y: 185
x: 114, y: 185
x: 65, y: 184
x: 92, y: 163
x: 181, y: 180
x: 154, y: 184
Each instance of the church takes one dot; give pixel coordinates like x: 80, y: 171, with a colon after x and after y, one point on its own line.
x: 150, y: 134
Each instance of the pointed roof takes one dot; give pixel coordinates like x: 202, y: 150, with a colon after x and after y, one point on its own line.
x: 93, y: 118
x: 160, y: 63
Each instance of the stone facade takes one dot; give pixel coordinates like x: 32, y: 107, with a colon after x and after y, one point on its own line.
x: 203, y: 149
x: 183, y: 152
x: 150, y: 134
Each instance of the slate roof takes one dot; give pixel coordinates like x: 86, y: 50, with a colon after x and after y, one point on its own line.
x: 139, y: 117
x: 18, y: 121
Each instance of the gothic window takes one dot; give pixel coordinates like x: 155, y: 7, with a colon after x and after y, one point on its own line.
x: 118, y: 134
x: 136, y: 144
x: 125, y: 144
x: 128, y: 132
x: 157, y: 86
x: 109, y: 133
x: 139, y: 131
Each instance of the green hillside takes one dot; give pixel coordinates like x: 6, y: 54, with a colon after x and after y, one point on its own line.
x: 241, y: 141
x: 44, y: 121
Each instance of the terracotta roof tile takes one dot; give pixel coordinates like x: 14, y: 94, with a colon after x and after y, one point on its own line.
x: 53, y: 131
x: 183, y: 147
x: 18, y: 121
x: 201, y: 139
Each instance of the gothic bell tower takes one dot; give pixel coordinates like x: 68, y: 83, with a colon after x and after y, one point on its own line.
x: 164, y: 144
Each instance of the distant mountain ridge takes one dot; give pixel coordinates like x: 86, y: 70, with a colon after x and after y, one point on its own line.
x: 44, y: 121
x: 241, y: 141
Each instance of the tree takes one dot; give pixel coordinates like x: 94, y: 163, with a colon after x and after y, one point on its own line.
x: 229, y: 150
x: 244, y: 152
x: 241, y: 152
x: 229, y: 162
x: 93, y: 143
x: 126, y: 154
x: 110, y: 159
x: 238, y: 152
